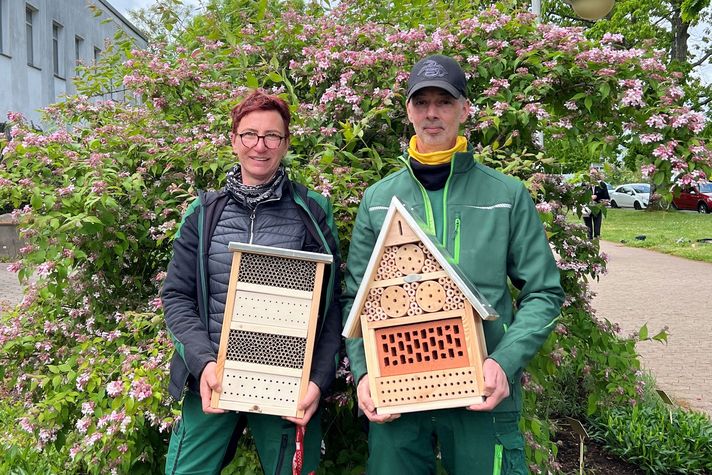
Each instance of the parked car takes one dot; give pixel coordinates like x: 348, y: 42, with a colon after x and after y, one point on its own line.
x: 630, y: 195
x: 695, y: 197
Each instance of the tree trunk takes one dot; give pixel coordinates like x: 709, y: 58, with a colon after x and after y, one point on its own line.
x: 680, y: 35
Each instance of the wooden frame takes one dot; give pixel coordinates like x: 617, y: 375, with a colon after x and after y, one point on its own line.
x: 421, y: 322
x: 268, y: 332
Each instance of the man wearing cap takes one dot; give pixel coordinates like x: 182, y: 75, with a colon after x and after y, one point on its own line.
x: 488, y: 223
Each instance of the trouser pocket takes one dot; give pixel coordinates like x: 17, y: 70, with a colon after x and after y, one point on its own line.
x: 509, y: 448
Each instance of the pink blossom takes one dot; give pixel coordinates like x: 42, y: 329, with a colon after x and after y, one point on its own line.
x: 648, y: 170
x: 544, y: 207
x: 115, y: 388
x: 612, y: 38
x: 14, y: 267
x: 656, y: 121
x: 99, y: 187
x: 15, y: 117
x: 45, y: 269
x: 74, y: 451
x: 83, y: 424
x: 650, y: 138
x: 81, y: 382
x: 88, y: 408
x: 155, y: 303
x: 140, y: 389
x: 65, y: 191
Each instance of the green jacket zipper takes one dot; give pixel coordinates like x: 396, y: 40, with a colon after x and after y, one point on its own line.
x: 447, y: 185
x: 456, y: 254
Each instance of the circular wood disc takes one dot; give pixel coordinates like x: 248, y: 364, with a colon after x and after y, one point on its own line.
x: 410, y: 259
x: 430, y: 296
x: 395, y: 301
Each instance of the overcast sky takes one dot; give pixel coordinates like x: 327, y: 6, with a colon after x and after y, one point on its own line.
x: 124, y: 6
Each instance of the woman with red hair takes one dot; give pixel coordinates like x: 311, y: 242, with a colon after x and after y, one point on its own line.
x: 259, y: 205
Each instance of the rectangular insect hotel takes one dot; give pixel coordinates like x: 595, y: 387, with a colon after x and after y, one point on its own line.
x: 268, y: 330
x: 421, y: 322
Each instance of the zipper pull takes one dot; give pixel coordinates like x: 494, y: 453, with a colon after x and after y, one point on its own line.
x: 252, y: 223
x: 456, y: 244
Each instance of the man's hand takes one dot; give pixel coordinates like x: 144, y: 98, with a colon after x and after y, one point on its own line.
x: 309, y: 405
x: 496, y: 386
x: 209, y: 383
x: 365, y: 403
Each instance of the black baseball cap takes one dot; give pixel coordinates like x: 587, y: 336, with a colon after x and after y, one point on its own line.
x: 437, y: 71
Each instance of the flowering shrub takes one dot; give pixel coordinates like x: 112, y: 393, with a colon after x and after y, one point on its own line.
x: 100, y: 196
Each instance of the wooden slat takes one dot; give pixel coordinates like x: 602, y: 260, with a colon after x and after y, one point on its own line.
x: 475, y: 337
x: 402, y: 280
x: 269, y: 329
x: 260, y: 409
x: 227, y: 315
x: 374, y: 370
x: 311, y: 332
x: 426, y: 317
x: 429, y: 406
x: 259, y: 368
x: 269, y: 290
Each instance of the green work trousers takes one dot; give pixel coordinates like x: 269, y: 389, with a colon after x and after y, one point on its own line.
x: 199, y: 442
x: 470, y: 443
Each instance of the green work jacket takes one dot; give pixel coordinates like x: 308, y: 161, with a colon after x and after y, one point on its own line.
x: 491, y: 228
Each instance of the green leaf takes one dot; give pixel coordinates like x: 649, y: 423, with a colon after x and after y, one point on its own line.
x: 643, y: 332
x: 274, y: 77
x: 605, y: 90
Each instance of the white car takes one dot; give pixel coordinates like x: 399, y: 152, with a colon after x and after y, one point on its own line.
x: 630, y: 195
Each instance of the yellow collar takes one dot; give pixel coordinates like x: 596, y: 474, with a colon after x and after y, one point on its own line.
x: 436, y: 158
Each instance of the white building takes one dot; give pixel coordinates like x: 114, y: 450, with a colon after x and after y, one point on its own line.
x: 41, y: 43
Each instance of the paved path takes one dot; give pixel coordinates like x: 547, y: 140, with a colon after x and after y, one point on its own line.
x: 10, y: 291
x: 642, y: 287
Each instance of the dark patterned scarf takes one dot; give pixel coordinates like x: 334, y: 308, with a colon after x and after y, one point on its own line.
x: 253, y: 195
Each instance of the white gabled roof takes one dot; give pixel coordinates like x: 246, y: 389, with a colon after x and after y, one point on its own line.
x: 352, y: 328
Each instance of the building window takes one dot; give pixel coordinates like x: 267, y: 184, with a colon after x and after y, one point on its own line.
x: 78, y: 46
x: 56, y: 48
x: 97, y: 53
x: 29, y: 20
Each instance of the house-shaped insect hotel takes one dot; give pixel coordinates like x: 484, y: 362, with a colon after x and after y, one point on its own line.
x: 268, y: 329
x: 421, y: 322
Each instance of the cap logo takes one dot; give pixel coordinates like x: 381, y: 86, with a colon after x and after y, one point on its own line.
x: 432, y: 69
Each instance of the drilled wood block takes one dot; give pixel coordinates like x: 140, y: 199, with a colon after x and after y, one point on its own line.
x: 264, y: 308
x: 430, y: 295
x: 428, y: 388
x: 410, y: 259
x: 259, y: 392
x: 395, y: 301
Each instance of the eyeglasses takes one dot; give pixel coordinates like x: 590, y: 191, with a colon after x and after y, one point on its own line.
x: 250, y: 139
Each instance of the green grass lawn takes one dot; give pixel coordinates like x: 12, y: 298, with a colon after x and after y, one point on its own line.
x: 671, y: 232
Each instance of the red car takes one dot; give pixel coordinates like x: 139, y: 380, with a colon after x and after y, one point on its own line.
x: 695, y: 197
